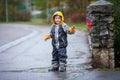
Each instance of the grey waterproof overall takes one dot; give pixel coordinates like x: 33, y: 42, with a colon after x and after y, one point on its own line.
x: 59, y: 43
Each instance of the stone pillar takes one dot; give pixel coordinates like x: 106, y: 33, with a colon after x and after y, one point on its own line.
x: 100, y: 15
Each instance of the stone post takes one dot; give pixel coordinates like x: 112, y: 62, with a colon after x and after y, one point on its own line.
x: 100, y: 15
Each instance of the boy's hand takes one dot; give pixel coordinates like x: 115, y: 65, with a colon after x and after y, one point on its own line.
x: 72, y: 29
x: 47, y: 37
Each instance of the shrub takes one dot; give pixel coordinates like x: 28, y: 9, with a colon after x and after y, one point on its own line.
x: 43, y: 15
x: 2, y: 14
x: 77, y: 17
x: 14, y: 15
x: 22, y: 16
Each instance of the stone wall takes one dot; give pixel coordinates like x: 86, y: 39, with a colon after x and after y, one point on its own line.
x: 101, y: 34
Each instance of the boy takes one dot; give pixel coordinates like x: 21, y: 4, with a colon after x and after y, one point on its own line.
x: 59, y: 31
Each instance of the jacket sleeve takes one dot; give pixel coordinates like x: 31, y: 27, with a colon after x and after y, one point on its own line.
x: 66, y: 28
x: 50, y: 33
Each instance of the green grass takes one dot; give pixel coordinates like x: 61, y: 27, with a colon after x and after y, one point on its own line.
x: 37, y: 21
x: 82, y: 26
x: 32, y: 21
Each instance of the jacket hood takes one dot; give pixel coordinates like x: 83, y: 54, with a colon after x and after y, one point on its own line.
x: 57, y: 13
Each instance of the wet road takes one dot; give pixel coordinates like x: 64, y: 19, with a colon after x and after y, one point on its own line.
x: 11, y: 32
x: 29, y: 57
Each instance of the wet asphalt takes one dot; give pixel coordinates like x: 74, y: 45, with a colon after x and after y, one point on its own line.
x: 24, y: 55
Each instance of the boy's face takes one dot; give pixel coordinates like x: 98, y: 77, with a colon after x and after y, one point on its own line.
x: 57, y: 19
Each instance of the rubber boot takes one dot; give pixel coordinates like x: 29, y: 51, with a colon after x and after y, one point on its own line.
x: 55, y: 67
x: 62, y: 67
